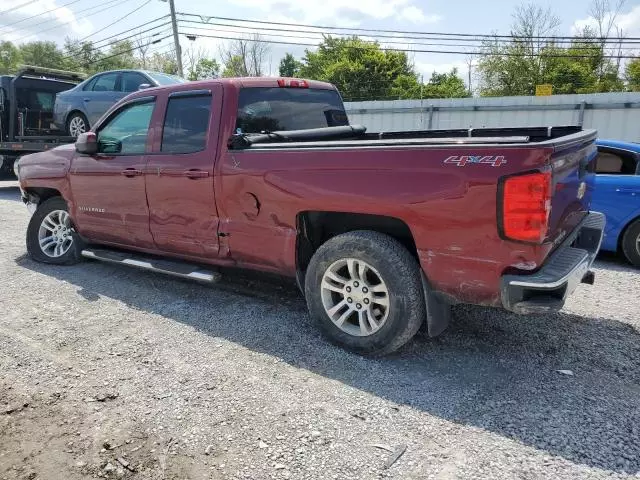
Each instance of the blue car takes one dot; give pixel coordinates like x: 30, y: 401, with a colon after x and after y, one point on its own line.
x: 617, y: 195
x: 77, y: 109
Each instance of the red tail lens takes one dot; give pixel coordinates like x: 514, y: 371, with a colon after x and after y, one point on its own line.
x: 526, y: 205
x: 283, y: 82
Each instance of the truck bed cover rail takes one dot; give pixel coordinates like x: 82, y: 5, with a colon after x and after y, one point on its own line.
x: 355, y: 135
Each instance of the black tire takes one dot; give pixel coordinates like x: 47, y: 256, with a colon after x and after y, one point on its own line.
x: 631, y: 243
x: 77, y: 116
x: 72, y: 255
x: 397, y: 268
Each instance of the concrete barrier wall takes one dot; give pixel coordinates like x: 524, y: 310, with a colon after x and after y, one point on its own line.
x: 614, y: 115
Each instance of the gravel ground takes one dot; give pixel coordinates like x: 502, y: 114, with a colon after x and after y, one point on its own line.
x: 111, y: 372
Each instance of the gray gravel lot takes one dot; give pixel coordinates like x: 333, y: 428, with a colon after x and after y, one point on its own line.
x: 116, y: 373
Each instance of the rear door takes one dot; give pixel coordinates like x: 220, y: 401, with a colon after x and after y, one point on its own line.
x: 179, y: 174
x: 108, y: 189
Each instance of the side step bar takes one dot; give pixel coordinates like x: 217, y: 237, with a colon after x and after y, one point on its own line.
x: 175, y: 268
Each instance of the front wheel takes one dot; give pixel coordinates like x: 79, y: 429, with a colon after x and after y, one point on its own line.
x: 364, y: 291
x: 51, y: 237
x: 631, y: 243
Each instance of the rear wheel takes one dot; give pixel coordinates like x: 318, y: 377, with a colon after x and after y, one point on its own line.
x: 364, y: 291
x: 631, y: 243
x: 77, y: 124
x: 51, y: 237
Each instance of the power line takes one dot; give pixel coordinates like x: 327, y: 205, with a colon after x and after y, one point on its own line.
x: 415, y: 50
x: 18, y: 7
x: 125, y: 52
x: 95, y: 47
x: 54, y: 27
x: 395, y: 37
x: 320, y: 37
x: 116, y: 35
x: 40, y: 14
x: 116, y: 21
x: 206, y: 18
x: 151, y: 38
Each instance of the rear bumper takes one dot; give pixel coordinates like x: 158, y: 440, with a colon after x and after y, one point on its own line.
x: 567, y: 267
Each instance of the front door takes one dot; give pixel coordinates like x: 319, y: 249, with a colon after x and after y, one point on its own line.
x: 182, y: 207
x: 108, y: 189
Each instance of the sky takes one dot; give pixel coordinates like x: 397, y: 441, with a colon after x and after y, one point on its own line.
x: 100, y: 19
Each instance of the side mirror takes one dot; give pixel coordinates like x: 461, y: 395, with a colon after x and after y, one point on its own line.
x: 143, y: 86
x: 87, y: 143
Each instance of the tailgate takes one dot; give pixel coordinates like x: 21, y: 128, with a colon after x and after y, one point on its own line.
x: 573, y: 165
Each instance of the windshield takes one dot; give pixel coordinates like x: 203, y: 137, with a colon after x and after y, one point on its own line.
x: 277, y: 109
x: 165, y: 79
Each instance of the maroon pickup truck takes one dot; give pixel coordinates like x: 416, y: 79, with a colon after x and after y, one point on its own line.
x: 383, y: 231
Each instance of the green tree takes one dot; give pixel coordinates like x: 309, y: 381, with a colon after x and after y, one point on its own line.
x: 163, y: 62
x: 289, y: 66
x: 632, y: 73
x: 515, y: 67
x: 235, y: 67
x: 10, y: 57
x: 361, y: 70
x: 120, y: 55
x: 446, y: 85
x: 205, y: 68
x: 42, y: 54
x: 81, y: 56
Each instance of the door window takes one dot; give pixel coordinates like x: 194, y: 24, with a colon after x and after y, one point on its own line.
x: 131, y: 81
x: 618, y: 163
x: 186, y: 124
x: 105, y: 83
x: 126, y: 132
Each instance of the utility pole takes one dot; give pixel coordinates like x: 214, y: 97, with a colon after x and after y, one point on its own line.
x: 176, y: 37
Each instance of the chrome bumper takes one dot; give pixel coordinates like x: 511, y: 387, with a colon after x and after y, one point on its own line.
x: 567, y: 267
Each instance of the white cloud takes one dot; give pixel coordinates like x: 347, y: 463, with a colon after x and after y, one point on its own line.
x: 414, y: 14
x: 341, y: 13
x: 17, y: 25
x: 629, y: 22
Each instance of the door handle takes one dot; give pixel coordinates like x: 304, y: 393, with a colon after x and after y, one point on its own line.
x: 131, y: 172
x: 86, y: 100
x: 195, y: 174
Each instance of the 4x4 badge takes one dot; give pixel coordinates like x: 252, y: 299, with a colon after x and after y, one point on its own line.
x: 461, y: 161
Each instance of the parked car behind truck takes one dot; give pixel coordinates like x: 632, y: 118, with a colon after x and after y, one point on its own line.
x: 77, y: 109
x: 381, y: 231
x: 617, y: 195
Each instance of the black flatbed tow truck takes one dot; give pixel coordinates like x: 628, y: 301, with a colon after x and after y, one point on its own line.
x: 26, y: 112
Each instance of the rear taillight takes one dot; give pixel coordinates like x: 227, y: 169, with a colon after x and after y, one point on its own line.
x: 526, y: 205
x: 287, y: 82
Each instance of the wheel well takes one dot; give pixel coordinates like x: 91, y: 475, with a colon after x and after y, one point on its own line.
x: 316, y: 227
x: 40, y: 194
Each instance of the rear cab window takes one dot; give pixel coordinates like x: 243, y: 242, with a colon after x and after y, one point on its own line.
x: 270, y: 109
